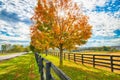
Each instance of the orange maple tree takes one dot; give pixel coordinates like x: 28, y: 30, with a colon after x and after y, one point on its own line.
x: 59, y: 23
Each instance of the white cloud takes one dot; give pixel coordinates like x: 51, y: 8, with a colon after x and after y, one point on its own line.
x: 24, y: 8
x: 10, y: 38
x: 17, y: 33
x: 103, y: 23
x: 102, y: 42
x: 91, y: 4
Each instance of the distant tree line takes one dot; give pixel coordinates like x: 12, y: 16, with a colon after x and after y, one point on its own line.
x: 103, y: 48
x: 8, y: 48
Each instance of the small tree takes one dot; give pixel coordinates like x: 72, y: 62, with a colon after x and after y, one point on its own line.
x: 62, y: 23
x: 40, y: 40
x: 3, y: 48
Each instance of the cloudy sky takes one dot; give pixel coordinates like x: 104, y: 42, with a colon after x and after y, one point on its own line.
x: 104, y: 16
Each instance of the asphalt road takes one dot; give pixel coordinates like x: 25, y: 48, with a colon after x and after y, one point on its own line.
x: 5, y: 57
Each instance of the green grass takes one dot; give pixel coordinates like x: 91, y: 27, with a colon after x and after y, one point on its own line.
x: 82, y: 72
x: 25, y: 68
x: 19, y: 68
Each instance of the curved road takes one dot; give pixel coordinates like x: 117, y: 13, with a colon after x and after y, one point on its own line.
x: 5, y: 57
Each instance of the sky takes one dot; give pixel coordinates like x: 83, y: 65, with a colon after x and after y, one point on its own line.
x: 104, y: 16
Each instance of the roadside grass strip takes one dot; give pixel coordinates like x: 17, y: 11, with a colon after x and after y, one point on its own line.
x: 19, y: 68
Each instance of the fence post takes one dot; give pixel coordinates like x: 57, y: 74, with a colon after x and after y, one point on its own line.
x: 68, y: 56
x: 36, y: 57
x: 94, y: 61
x: 41, y: 68
x: 74, y: 58
x: 82, y: 59
x: 111, y: 61
x: 48, y: 75
x: 57, y: 54
x: 64, y: 55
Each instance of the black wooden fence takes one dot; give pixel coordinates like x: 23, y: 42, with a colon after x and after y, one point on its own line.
x: 108, y: 61
x: 45, y: 67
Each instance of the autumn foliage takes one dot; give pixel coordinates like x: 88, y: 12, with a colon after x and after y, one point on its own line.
x: 59, y: 23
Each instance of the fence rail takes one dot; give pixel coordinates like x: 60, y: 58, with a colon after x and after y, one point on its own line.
x: 45, y: 69
x: 107, y: 61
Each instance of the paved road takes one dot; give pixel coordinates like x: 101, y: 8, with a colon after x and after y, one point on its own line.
x: 5, y: 57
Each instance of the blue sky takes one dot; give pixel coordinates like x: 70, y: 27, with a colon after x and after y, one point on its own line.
x: 104, y: 16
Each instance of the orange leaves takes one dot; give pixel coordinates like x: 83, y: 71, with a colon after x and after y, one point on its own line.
x: 83, y: 21
x: 76, y: 6
x: 44, y: 1
x: 56, y: 30
x: 51, y: 29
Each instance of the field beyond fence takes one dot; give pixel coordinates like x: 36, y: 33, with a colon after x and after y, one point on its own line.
x: 111, y: 62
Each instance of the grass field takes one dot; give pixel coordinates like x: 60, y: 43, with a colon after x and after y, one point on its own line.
x: 25, y: 68
x: 19, y: 68
x: 100, y: 52
x: 82, y: 72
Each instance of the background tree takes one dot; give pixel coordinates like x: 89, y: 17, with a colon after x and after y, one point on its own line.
x: 17, y: 48
x: 8, y: 48
x: 39, y: 41
x: 3, y: 48
x: 62, y: 23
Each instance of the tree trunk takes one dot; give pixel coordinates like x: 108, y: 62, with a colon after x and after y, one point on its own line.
x: 46, y: 52
x: 2, y: 51
x: 61, y: 56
